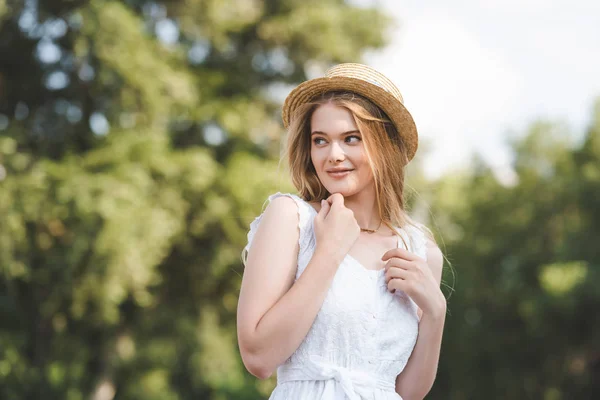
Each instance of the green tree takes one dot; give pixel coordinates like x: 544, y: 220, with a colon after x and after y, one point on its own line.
x: 128, y: 132
x: 521, y: 321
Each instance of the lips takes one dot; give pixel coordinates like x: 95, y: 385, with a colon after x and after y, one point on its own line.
x: 339, y: 173
x: 340, y: 170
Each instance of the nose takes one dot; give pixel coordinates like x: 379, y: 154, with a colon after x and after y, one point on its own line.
x: 336, y: 153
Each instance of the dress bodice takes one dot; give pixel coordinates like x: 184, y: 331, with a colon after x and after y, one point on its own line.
x: 363, y: 335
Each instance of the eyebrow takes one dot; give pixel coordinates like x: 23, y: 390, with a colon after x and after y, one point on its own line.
x: 342, y: 134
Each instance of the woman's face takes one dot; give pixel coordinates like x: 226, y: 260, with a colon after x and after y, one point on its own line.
x: 337, y: 143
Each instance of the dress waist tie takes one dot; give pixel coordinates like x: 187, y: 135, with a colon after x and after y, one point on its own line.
x: 355, y: 384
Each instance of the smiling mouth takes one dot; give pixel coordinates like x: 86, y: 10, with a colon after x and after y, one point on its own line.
x: 340, y: 173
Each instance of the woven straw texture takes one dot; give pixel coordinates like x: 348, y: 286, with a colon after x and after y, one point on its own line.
x: 367, y: 82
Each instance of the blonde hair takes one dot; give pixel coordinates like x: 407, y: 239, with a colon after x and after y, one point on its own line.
x: 386, y: 154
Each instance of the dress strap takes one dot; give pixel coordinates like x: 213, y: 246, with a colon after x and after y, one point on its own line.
x: 415, y: 239
x: 419, y: 241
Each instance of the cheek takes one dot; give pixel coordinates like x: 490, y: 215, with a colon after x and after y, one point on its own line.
x: 365, y: 173
x: 363, y: 165
x: 313, y: 159
x: 316, y: 158
x: 359, y: 158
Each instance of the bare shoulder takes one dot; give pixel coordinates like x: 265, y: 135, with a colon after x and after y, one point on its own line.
x: 282, y: 207
x: 435, y: 258
x: 279, y: 223
x: 270, y: 268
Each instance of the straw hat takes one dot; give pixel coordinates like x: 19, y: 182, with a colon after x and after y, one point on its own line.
x: 365, y: 81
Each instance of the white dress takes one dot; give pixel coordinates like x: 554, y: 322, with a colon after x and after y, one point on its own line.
x: 362, y: 336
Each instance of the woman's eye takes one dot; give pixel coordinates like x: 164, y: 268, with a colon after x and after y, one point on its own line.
x: 316, y: 140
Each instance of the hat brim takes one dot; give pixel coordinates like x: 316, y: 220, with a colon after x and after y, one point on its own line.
x: 394, y: 109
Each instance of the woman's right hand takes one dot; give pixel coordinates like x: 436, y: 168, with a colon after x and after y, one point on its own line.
x: 335, y: 227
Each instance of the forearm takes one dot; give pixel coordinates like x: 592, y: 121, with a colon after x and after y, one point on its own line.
x: 283, y: 328
x: 418, y: 376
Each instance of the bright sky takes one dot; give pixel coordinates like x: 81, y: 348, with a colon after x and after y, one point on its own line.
x: 473, y: 73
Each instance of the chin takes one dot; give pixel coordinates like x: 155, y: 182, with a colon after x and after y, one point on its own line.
x: 345, y: 188
x: 344, y: 191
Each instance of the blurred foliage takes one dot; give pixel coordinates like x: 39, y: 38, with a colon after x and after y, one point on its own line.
x: 521, y: 317
x: 138, y: 140
x: 128, y: 130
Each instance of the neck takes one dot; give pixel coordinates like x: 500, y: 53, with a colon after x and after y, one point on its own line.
x: 365, y: 210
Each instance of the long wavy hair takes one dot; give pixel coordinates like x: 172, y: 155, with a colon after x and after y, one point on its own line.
x: 385, y: 150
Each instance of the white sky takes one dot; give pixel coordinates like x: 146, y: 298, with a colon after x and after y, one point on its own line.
x: 472, y: 73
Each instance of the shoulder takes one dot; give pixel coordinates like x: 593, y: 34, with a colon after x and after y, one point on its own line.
x: 290, y: 207
x: 278, y: 223
x: 282, y: 221
x: 283, y: 205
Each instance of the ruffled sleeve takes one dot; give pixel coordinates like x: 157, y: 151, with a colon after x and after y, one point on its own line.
x: 303, y: 222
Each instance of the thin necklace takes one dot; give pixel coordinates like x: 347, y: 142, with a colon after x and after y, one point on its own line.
x: 371, y: 230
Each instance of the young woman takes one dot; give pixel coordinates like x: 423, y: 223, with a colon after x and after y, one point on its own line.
x: 341, y: 289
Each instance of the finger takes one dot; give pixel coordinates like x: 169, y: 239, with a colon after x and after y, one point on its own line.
x: 399, y: 263
x: 399, y: 253
x: 397, y: 284
x: 336, y: 199
x: 334, y: 195
x: 396, y: 273
x: 324, y: 209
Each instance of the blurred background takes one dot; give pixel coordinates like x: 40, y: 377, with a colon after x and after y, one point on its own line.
x: 139, y: 139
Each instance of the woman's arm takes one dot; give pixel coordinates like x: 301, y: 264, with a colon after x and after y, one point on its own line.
x: 274, y: 313
x: 418, y: 376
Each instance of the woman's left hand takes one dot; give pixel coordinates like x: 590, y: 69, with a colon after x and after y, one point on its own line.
x: 410, y: 273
